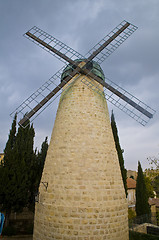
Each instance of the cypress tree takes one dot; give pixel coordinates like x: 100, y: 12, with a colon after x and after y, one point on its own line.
x: 142, y: 206
x: 119, y: 152
x: 8, y: 176
x: 9, y: 148
x: 41, y: 160
x: 17, y: 170
x: 25, y: 153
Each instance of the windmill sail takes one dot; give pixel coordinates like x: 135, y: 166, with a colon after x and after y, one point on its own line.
x: 123, y: 100
x: 52, y: 45
x: 41, y: 98
x: 119, y: 97
x: 111, y: 42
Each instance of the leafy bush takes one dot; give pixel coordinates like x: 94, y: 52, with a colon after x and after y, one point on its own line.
x: 157, y: 217
x: 131, y: 213
x: 29, y: 229
x: 141, y: 236
x: 9, y: 231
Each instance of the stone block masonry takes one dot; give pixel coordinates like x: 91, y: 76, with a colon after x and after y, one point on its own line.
x: 85, y: 198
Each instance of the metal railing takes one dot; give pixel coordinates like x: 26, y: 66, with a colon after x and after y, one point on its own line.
x: 140, y: 220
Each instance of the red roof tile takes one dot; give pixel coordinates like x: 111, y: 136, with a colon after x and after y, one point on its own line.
x: 131, y: 183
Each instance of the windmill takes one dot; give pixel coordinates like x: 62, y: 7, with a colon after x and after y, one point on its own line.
x: 81, y: 190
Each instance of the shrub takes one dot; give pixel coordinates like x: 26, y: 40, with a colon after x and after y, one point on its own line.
x: 9, y: 231
x: 141, y: 236
x: 131, y: 213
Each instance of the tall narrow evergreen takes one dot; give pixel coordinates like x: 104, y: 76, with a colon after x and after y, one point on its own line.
x: 25, y: 153
x: 17, y: 169
x: 142, y: 207
x: 119, y: 151
x: 8, y: 176
x: 8, y: 155
x: 41, y: 160
x: 9, y: 148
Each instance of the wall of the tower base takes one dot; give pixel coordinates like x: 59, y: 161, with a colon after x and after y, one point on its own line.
x: 85, y: 197
x: 77, y: 223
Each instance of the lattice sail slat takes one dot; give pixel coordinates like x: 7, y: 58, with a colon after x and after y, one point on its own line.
x: 35, y: 99
x: 52, y: 88
x: 114, y: 44
x: 53, y: 42
x: 141, y: 117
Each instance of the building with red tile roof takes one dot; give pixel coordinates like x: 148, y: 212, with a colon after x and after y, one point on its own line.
x: 131, y: 186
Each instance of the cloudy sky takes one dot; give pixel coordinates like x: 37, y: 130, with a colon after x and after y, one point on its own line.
x: 81, y: 24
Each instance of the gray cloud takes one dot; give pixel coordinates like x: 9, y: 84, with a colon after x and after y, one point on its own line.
x: 81, y: 24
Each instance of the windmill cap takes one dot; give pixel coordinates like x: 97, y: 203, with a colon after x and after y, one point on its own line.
x: 93, y: 66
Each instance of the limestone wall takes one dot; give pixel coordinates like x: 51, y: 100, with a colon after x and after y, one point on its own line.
x: 85, y: 198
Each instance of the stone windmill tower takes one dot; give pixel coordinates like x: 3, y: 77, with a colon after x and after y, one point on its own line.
x: 81, y: 194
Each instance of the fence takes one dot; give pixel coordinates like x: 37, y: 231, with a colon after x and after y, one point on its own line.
x: 141, y: 223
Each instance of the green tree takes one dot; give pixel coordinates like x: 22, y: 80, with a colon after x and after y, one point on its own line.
x: 25, y: 154
x: 153, y: 161
x: 17, y: 170
x: 142, y: 206
x: 131, y: 213
x: 7, y: 172
x: 157, y: 217
x: 155, y: 184
x: 149, y: 187
x: 9, y: 148
x: 40, y: 161
x: 119, y: 152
